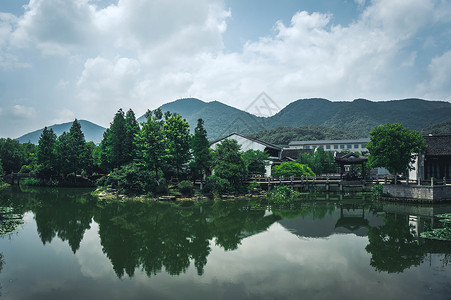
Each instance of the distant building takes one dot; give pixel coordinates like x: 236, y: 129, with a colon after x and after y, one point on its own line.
x: 358, y: 145
x: 248, y: 143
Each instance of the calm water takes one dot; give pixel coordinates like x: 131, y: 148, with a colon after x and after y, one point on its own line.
x: 74, y: 247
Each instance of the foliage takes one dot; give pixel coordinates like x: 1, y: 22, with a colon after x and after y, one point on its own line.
x: 176, y: 133
x: 284, y: 135
x: 186, y: 187
x: 216, y: 185
x: 291, y: 168
x: 132, y: 179
x: 320, y: 162
x: 200, y: 150
x: 255, y: 161
x: 46, y: 154
x: 394, y: 147
x: 442, y: 128
x: 253, y: 185
x: 282, y: 194
x: 442, y: 234
x: 377, y: 190
x: 151, y: 143
x: 12, y: 155
x: 228, y: 163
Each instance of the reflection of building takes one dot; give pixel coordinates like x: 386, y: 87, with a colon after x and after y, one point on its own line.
x: 248, y: 143
x: 358, y: 145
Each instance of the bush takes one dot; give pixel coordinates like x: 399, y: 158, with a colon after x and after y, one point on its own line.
x: 25, y: 169
x: 216, y: 185
x: 254, y: 185
x: 291, y: 168
x: 186, y: 187
x: 377, y: 190
x: 131, y: 179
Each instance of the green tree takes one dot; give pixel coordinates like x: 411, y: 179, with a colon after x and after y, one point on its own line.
x: 78, y: 154
x: 176, y: 132
x: 228, y: 163
x: 1, y: 170
x: 200, y: 149
x: 132, y: 130
x: 255, y: 161
x: 291, y: 168
x: 63, y: 154
x: 12, y: 155
x: 46, y: 154
x: 394, y: 147
x: 113, y: 143
x: 150, y: 142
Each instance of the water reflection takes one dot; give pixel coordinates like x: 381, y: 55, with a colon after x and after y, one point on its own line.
x: 156, y: 237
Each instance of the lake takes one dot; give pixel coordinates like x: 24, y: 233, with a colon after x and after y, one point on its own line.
x: 73, y: 246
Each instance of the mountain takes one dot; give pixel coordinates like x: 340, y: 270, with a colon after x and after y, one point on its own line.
x: 442, y: 128
x: 360, y: 116
x: 219, y: 119
x: 284, y: 135
x: 92, y: 132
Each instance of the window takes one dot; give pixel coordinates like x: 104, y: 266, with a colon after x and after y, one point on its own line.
x: 313, y: 147
x: 356, y: 146
x: 363, y: 145
x: 307, y: 147
x: 335, y: 146
x: 342, y: 146
x: 349, y: 146
x: 321, y: 146
x: 327, y: 146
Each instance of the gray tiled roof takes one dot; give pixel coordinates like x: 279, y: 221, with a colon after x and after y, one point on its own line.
x: 438, y: 145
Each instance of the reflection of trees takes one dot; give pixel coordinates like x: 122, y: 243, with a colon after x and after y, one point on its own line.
x: 392, y: 245
x: 153, y: 235
x: 1, y: 268
x: 316, y: 210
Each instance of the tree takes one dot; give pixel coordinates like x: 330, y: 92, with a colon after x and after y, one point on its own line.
x: 77, y: 144
x: 113, y: 143
x: 46, y: 153
x: 63, y: 155
x: 255, y: 161
x: 200, y: 150
x: 132, y: 130
x: 12, y: 155
x: 150, y: 142
x: 291, y: 168
x: 228, y: 163
x: 394, y: 147
x: 176, y: 132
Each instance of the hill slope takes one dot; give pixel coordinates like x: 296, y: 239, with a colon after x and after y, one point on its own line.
x: 219, y: 119
x: 360, y: 116
x: 92, y: 132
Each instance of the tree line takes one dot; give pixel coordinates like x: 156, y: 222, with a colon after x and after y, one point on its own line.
x: 134, y: 158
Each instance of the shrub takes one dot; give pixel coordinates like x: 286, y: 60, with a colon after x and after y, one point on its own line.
x: 131, y: 179
x: 25, y: 169
x: 253, y: 185
x: 377, y: 190
x: 216, y: 185
x: 291, y: 168
x: 186, y: 187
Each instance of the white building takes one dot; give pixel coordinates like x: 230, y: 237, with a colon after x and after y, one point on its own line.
x: 248, y: 143
x: 358, y: 145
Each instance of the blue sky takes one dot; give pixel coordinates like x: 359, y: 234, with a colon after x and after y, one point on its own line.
x: 85, y: 59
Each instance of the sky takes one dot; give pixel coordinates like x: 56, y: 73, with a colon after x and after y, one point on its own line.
x: 85, y: 59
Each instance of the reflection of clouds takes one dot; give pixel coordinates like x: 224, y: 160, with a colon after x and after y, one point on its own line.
x: 92, y: 260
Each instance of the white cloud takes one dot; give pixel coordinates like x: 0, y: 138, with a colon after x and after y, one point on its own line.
x: 439, y: 77
x: 23, y: 111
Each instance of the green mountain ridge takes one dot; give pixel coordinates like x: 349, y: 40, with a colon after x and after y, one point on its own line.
x: 92, y: 132
x: 350, y: 118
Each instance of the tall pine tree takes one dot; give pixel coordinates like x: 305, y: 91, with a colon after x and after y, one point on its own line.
x: 46, y: 154
x: 176, y: 131
x: 200, y: 149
